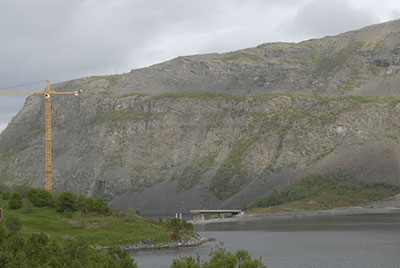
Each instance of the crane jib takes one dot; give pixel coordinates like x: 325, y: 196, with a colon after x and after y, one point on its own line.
x: 48, y: 148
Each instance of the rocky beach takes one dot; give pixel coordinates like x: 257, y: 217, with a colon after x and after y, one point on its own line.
x: 150, y: 245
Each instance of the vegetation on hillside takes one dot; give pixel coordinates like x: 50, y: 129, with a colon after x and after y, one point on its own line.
x: 66, y: 230
x: 39, y: 250
x: 325, y: 192
x: 191, y: 174
x: 67, y: 215
x: 333, y: 62
x: 231, y: 175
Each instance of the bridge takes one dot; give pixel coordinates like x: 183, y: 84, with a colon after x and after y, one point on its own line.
x: 221, y: 213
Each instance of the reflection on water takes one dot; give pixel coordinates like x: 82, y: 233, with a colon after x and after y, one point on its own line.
x: 349, y: 241
x: 358, y: 222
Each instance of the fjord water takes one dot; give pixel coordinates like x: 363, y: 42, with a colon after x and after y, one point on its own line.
x: 366, y: 241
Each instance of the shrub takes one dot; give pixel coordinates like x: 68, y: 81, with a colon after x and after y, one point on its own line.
x: 27, y: 206
x: 40, y: 250
x: 13, y: 223
x: 82, y: 202
x: 117, y: 213
x: 186, y: 262
x: 188, y: 226
x: 40, y: 197
x: 88, y: 204
x: 76, y: 264
x: 3, y: 235
x: 54, y: 262
x: 15, y: 201
x: 220, y: 258
x: 100, y: 206
x: 14, y: 243
x: 130, y: 214
x: 177, y: 225
x: 67, y: 201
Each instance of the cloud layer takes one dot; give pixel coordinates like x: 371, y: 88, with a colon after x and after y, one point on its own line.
x: 325, y: 17
x: 61, y: 40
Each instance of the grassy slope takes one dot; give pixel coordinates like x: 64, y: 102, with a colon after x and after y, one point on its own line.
x: 98, y: 230
x: 319, y: 192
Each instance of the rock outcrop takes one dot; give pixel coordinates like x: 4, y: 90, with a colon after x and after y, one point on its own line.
x: 220, y: 130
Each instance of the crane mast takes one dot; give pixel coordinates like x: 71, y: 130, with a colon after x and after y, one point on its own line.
x: 48, y: 147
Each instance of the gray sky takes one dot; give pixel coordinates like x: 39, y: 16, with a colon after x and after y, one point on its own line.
x: 63, y: 40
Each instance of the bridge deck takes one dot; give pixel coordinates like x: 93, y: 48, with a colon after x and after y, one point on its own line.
x: 203, y: 211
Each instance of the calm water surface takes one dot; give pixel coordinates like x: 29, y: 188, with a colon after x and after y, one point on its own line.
x: 371, y: 241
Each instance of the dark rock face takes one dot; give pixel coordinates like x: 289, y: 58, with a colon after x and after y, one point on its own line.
x: 220, y: 130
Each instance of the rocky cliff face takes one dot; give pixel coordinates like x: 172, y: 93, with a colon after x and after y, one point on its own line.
x: 220, y: 130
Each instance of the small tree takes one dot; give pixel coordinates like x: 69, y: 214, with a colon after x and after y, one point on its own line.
x: 13, y: 223
x: 186, y: 262
x: 122, y: 258
x: 100, y: 206
x: 176, y: 225
x: 40, y: 197
x: 76, y: 264
x: 67, y: 201
x: 82, y: 202
x: 27, y: 206
x: 15, y: 201
x: 91, y: 206
x: 220, y: 258
x: 54, y: 262
x: 130, y: 214
x: 3, y: 234
x: 88, y: 204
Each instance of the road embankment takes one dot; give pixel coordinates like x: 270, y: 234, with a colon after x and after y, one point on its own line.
x: 388, y: 205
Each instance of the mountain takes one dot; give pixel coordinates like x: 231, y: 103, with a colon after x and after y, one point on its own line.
x: 220, y: 130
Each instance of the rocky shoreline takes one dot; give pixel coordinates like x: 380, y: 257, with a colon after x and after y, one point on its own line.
x: 197, y: 240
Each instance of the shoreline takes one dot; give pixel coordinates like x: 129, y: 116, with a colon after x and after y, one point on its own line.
x: 345, y: 211
x: 197, y: 240
x: 389, y: 205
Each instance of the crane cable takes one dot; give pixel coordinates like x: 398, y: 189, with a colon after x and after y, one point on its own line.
x: 21, y: 85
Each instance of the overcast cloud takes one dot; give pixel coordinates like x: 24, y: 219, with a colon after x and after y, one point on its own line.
x: 326, y: 17
x: 62, y: 40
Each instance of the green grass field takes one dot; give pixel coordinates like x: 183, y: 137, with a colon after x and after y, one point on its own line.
x: 96, y: 229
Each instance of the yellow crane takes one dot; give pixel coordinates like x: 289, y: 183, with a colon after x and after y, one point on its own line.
x: 47, y: 94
